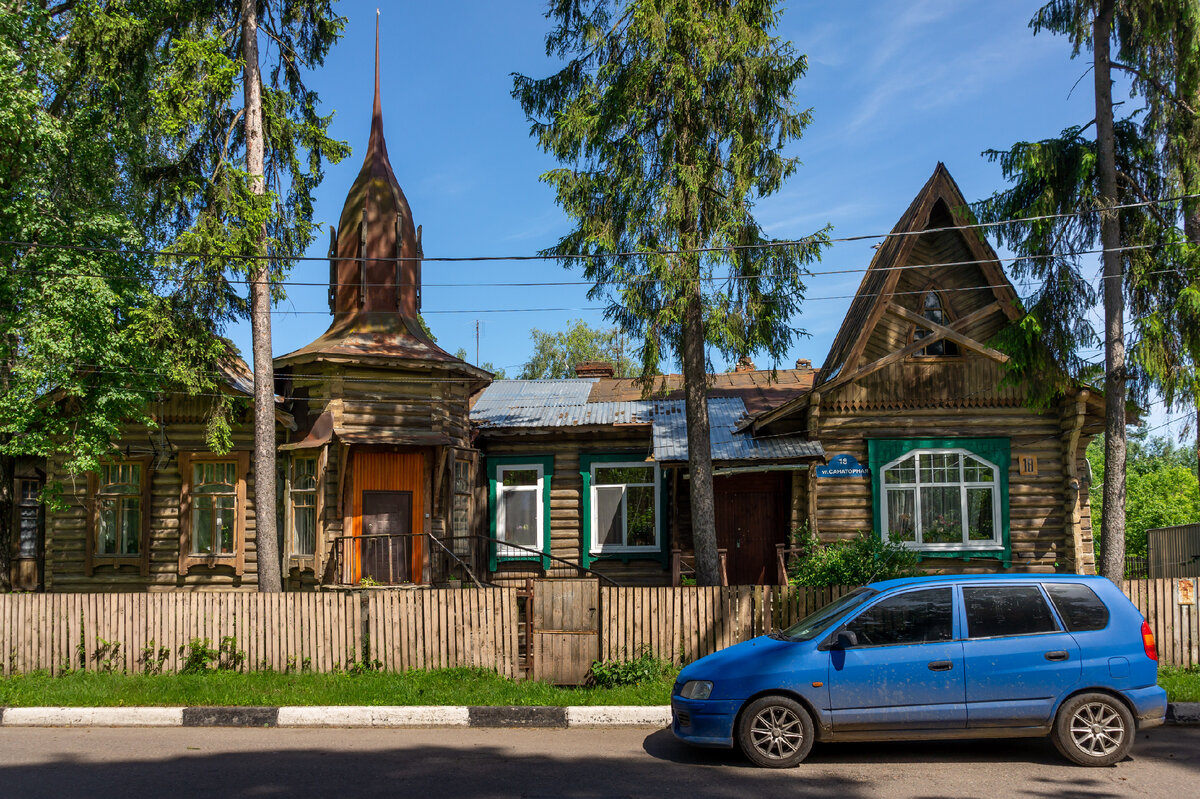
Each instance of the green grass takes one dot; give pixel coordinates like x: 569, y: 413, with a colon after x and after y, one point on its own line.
x: 444, y: 687
x: 1182, y: 685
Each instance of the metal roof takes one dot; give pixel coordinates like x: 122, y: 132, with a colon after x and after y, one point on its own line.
x: 508, y: 394
x: 670, y: 436
x: 508, y: 404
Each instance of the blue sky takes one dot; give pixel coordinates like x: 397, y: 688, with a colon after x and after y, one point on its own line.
x: 894, y: 88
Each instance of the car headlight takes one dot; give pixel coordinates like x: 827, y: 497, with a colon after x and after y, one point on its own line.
x: 696, y: 689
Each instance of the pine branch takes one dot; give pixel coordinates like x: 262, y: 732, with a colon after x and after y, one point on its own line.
x: 1155, y: 84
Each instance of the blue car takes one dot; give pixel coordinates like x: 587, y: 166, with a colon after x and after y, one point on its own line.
x: 936, y: 657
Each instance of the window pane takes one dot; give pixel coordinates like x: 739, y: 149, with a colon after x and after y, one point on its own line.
x: 131, y: 525
x: 520, y: 477
x: 520, y: 517
x: 106, y: 538
x: 916, y: 617
x: 939, y: 467
x: 624, y: 474
x: 462, y: 475
x: 202, y: 526
x: 941, y: 515
x: 28, y: 532
x: 904, y: 472
x: 1079, y: 607
x: 608, y: 515
x: 976, y: 471
x: 1006, y: 610
x: 980, y: 515
x: 901, y: 515
x: 639, y: 514
x: 224, y: 508
x: 305, y: 521
x: 304, y: 474
x: 213, y: 478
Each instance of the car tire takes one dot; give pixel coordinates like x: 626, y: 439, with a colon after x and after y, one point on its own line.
x: 1093, y: 729
x: 775, y: 732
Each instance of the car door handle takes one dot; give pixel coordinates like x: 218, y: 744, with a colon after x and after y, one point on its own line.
x: 1057, y: 654
x: 941, y: 665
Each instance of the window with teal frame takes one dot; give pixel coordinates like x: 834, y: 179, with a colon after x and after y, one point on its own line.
x: 943, y: 497
x: 624, y: 508
x: 519, y: 509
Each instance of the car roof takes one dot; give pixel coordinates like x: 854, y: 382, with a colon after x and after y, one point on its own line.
x: 885, y: 585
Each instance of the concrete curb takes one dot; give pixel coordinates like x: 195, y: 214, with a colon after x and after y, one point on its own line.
x: 1178, y: 713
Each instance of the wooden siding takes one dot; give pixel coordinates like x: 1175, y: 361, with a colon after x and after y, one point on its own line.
x: 67, y: 528
x: 1037, y: 520
x: 566, y: 505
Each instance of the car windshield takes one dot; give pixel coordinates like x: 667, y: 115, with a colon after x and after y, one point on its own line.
x: 814, y: 623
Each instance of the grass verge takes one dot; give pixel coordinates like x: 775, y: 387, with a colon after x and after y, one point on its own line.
x: 1182, y: 685
x: 442, y: 687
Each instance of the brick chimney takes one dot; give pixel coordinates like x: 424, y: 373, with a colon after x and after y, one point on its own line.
x: 594, y: 369
x: 744, y: 364
x: 803, y: 363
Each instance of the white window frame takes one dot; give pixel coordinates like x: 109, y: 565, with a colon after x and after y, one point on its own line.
x: 293, y: 492
x: 597, y: 547
x: 503, y: 550
x: 996, y: 542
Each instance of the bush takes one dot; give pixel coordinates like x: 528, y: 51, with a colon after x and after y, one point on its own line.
x: 644, y: 668
x: 859, y: 561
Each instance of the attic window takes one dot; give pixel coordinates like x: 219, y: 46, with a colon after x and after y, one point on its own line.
x: 933, y: 310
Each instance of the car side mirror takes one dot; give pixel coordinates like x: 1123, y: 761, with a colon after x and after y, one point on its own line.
x: 845, y: 639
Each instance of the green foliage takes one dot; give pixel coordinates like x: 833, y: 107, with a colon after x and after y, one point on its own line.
x: 487, y: 366
x: 642, y: 669
x: 858, y: 561
x: 153, y: 658
x: 1161, y: 488
x: 118, y: 123
x: 200, y: 657
x: 1181, y: 685
x: 670, y: 119
x: 555, y: 355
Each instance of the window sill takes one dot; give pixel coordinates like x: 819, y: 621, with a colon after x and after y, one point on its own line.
x: 119, y: 560
x: 188, y: 562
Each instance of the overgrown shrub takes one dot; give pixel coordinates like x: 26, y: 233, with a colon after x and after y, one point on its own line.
x: 643, y: 668
x: 199, y: 655
x: 859, y: 561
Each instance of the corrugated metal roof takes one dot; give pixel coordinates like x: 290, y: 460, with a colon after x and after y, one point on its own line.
x: 545, y: 404
x: 670, y: 436
x: 508, y: 394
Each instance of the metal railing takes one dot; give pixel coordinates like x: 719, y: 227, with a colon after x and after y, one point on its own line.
x: 386, y: 559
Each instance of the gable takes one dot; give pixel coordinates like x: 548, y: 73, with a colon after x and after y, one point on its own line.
x: 930, y: 247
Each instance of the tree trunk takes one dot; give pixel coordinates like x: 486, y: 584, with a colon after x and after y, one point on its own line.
x: 1112, y: 520
x: 7, y: 512
x: 700, y: 488
x: 266, y: 534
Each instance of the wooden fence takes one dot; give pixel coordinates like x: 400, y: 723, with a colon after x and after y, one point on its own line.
x: 433, y: 628
x: 686, y: 623
x: 444, y: 627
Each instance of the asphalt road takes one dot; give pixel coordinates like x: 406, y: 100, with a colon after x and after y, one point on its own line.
x: 540, y: 764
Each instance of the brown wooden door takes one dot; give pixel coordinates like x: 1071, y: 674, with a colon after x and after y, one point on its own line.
x: 388, y: 515
x: 751, y: 520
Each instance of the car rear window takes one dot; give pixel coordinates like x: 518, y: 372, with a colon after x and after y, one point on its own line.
x: 1006, y: 610
x: 1078, y: 606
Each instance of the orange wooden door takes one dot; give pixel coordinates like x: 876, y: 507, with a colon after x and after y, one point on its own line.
x: 391, y: 472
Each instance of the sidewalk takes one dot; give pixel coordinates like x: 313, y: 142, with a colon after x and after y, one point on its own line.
x: 1182, y: 713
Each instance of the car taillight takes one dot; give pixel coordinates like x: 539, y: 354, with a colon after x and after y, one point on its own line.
x: 1148, y: 641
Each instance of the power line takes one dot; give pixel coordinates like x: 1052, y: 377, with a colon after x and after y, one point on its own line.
x: 185, y: 279
x: 594, y: 256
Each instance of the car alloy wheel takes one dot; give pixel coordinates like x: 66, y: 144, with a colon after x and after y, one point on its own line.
x: 1093, y: 729
x: 1097, y: 729
x: 775, y: 731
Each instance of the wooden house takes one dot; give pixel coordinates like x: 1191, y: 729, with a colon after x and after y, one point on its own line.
x: 401, y: 464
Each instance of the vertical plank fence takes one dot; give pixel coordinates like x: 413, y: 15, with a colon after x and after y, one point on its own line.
x: 438, y: 628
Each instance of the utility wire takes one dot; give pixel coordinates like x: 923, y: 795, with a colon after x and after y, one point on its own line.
x: 623, y: 254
